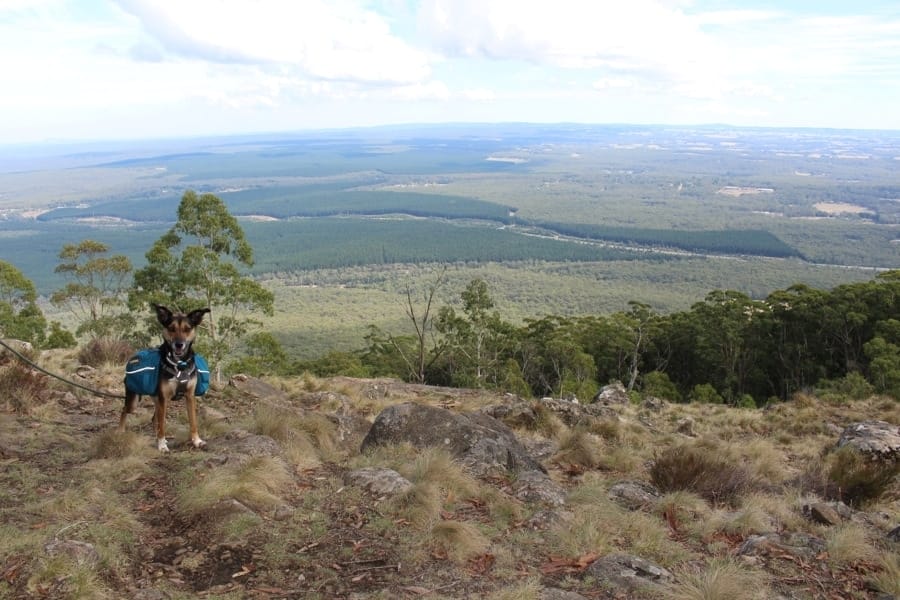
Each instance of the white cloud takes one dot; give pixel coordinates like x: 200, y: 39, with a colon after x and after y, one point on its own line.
x: 325, y: 40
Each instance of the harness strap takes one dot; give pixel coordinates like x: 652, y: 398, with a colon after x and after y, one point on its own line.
x: 180, y: 370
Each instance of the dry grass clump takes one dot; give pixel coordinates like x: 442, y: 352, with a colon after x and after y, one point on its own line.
x: 719, y: 479
x: 848, y: 475
x: 530, y: 589
x: 888, y: 579
x: 721, y: 580
x: 860, y: 480
x: 255, y: 484
x: 848, y: 543
x: 306, y: 437
x: 459, y: 540
x: 21, y: 388
x: 578, y: 447
x: 546, y: 422
x: 114, y: 444
x: 600, y: 525
x: 105, y: 350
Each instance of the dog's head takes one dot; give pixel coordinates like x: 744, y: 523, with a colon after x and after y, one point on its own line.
x: 179, y: 329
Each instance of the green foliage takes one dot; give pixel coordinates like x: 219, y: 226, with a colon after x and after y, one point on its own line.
x: 658, y: 384
x: 20, y: 316
x: 95, y: 293
x: 704, y: 393
x: 753, y: 242
x: 263, y: 355
x: 196, y: 264
x: 852, y: 386
x: 60, y: 337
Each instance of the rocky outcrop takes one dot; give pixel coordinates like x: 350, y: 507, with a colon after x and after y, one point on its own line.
x: 612, y: 395
x: 877, y: 439
x: 481, y: 442
x: 633, y: 495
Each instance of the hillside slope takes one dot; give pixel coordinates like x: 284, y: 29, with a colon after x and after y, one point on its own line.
x: 719, y: 502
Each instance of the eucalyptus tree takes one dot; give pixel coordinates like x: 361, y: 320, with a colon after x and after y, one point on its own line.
x: 198, y: 263
x: 20, y: 316
x: 475, y: 343
x: 96, y: 291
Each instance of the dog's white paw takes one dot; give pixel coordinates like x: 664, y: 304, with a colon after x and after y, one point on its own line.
x: 198, y: 443
x: 162, y: 445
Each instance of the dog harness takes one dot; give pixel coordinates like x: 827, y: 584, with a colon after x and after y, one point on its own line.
x: 181, y: 370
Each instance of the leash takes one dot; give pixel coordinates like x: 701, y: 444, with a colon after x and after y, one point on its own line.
x: 26, y: 360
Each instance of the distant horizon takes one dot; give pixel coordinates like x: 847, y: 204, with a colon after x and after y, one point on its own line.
x: 87, y: 70
x: 214, y: 137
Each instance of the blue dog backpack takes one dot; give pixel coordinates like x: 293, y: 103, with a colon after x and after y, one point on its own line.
x: 202, y: 375
x: 142, y: 373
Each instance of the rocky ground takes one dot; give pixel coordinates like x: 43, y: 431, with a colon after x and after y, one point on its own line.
x: 345, y: 488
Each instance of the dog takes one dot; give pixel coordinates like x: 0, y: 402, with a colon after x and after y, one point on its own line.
x: 177, y: 373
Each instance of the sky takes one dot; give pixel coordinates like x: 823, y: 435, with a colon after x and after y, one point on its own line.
x: 81, y: 70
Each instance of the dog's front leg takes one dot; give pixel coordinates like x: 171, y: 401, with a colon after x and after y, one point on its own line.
x: 161, y: 444
x: 191, y: 403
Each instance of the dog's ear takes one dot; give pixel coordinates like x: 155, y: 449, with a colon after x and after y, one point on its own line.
x: 163, y: 314
x: 196, y: 316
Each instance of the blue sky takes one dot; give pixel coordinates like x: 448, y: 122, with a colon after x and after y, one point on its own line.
x: 120, y: 69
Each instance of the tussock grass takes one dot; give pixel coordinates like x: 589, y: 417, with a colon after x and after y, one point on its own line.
x: 256, y: 484
x: 721, y: 580
x: 105, y: 351
x: 887, y: 580
x: 581, y: 448
x: 847, y: 544
x: 63, y: 577
x: 600, y: 525
x: 460, y: 540
x: 546, y: 422
x: 858, y: 479
x: 111, y: 444
x: 529, y: 589
x: 420, y: 505
x: 702, y: 470
x: 307, y: 438
x: 21, y: 388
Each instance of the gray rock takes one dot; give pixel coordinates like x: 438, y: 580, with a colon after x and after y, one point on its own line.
x: 686, y: 426
x: 536, y: 486
x: 823, y: 513
x: 877, y: 439
x: 654, y: 404
x: 628, y: 571
x: 801, y: 545
x: 894, y: 535
x: 481, y: 442
x: 633, y: 494
x: 612, y: 394
x: 240, y: 444
x: 82, y: 553
x: 378, y: 480
x: 519, y: 414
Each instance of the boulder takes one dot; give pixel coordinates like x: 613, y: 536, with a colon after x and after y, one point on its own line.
x: 537, y: 487
x: 378, y: 480
x: 823, y: 513
x: 633, y: 494
x: 612, y: 394
x: 801, y: 545
x: 876, y: 439
x: 480, y: 441
x: 629, y: 572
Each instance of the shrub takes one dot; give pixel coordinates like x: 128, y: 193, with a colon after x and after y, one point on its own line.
x: 657, y: 383
x: 705, y: 393
x: 858, y: 480
x: 746, y: 401
x: 105, y: 351
x: 852, y: 386
x: 704, y: 471
x: 21, y: 387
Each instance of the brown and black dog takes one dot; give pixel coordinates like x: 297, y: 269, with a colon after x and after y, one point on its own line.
x: 177, y: 372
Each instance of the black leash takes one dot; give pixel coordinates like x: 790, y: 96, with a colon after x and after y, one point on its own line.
x: 26, y: 360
